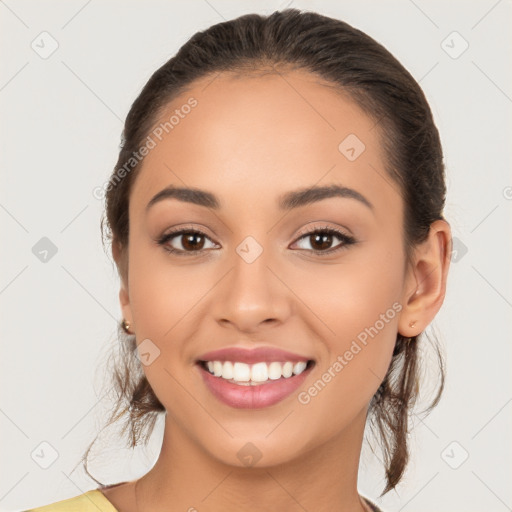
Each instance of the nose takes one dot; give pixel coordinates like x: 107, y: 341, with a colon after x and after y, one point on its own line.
x: 252, y: 296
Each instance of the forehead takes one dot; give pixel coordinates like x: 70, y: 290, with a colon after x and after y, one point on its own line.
x: 263, y: 132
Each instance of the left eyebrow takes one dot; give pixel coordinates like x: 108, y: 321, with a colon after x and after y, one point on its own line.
x: 287, y: 201
x: 305, y: 196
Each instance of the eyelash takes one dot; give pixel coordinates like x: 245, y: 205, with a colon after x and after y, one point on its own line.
x: 346, y: 239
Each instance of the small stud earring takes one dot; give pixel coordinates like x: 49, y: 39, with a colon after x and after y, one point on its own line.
x: 126, y: 326
x: 412, y: 324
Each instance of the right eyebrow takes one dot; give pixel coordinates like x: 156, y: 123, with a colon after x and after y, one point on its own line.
x: 188, y: 195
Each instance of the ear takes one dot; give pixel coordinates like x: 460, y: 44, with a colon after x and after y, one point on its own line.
x: 425, y: 283
x: 120, y: 256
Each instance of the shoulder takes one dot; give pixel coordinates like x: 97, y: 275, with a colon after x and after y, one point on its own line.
x: 91, y: 501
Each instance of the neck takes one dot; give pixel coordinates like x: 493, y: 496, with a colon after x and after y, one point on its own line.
x: 185, y: 477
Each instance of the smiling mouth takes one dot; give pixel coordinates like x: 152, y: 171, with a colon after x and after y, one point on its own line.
x: 255, y: 374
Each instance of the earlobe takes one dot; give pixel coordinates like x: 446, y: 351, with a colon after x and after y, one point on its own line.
x: 120, y: 258
x: 425, y: 285
x: 124, y: 300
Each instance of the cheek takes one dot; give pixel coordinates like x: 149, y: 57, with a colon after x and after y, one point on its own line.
x: 352, y: 295
x: 162, y: 298
x: 162, y: 294
x: 359, y: 308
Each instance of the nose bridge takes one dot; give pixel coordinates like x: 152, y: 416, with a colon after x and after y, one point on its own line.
x: 252, y: 294
x: 251, y: 264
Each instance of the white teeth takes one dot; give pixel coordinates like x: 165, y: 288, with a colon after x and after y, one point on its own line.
x: 259, y: 372
x: 275, y: 371
x: 299, y: 367
x: 245, y: 374
x: 241, y: 372
x: 217, y: 368
x: 227, y: 370
x: 287, y: 369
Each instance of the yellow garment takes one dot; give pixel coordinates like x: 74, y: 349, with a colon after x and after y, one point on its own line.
x: 96, y: 501
x: 91, y: 501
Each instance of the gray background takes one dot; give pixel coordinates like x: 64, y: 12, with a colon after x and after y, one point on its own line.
x: 61, y: 124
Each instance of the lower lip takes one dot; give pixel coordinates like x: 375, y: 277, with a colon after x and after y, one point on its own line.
x: 252, y: 397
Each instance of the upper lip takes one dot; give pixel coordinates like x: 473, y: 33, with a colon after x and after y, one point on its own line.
x: 255, y: 355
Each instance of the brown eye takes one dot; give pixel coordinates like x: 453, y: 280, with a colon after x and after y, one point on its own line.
x: 191, y: 241
x: 186, y: 242
x: 321, y: 240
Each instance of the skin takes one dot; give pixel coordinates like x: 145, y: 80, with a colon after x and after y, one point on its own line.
x: 249, y: 140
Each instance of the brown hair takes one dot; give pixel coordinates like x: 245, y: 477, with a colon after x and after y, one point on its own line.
x: 354, y: 63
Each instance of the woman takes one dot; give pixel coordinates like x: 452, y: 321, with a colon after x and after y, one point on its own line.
x: 276, y: 217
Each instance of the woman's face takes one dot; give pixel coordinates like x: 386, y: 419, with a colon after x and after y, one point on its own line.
x: 257, y: 276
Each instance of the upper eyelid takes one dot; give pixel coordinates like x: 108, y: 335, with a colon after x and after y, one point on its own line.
x: 308, y: 231
x: 183, y: 230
